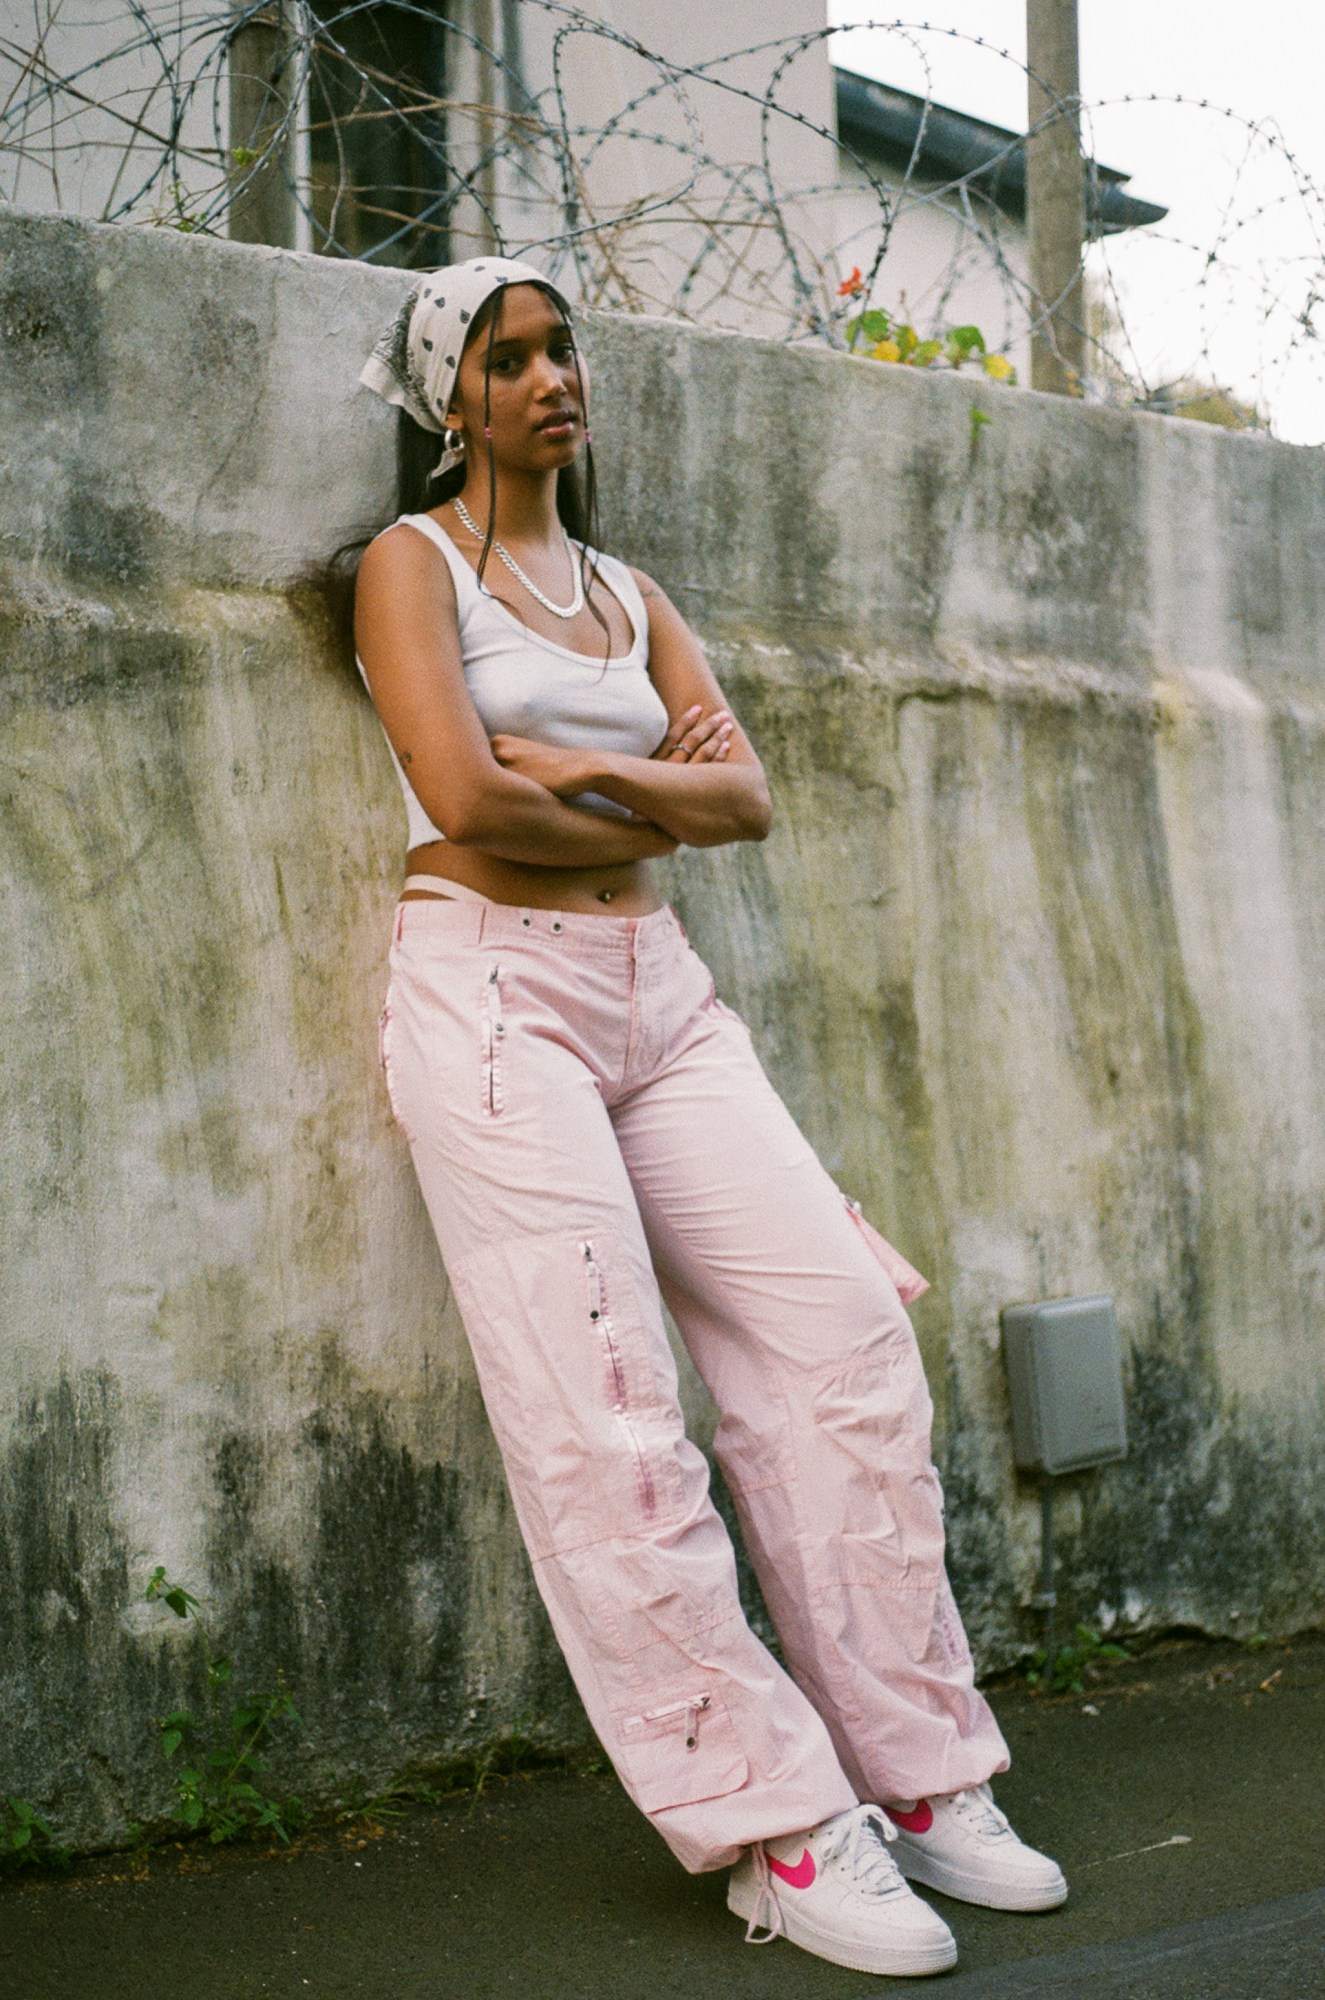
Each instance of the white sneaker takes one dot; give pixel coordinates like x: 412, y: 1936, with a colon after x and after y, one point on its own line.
x: 964, y: 1846
x: 836, y: 1891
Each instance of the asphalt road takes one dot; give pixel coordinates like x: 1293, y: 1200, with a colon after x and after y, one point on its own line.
x: 1187, y: 1812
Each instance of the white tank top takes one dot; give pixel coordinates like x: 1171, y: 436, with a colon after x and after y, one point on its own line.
x: 525, y: 685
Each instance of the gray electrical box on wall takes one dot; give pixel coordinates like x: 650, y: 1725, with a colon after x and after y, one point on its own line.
x: 1065, y: 1380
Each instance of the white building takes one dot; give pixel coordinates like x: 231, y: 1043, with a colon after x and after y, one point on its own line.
x: 956, y: 250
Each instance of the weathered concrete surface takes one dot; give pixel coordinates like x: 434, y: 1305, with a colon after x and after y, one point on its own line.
x: 1036, y: 951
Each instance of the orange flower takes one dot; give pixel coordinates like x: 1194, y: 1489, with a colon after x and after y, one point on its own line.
x: 850, y: 286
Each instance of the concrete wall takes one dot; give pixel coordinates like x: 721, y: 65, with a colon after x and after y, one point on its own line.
x: 1036, y: 951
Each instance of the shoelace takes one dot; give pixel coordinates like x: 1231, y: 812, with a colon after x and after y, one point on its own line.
x: 862, y: 1836
x: 770, y: 1925
x: 980, y: 1813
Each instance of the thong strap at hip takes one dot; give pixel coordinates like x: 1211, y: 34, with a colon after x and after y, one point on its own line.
x: 442, y: 885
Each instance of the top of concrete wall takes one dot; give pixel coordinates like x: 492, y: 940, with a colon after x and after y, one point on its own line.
x: 173, y: 408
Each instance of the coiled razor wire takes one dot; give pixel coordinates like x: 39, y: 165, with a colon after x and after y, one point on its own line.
x: 122, y: 108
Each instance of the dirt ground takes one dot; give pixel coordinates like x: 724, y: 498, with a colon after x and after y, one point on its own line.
x: 1182, y: 1793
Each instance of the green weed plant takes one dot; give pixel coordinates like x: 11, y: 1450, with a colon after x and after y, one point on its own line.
x: 217, y: 1757
x: 1073, y: 1664
x: 26, y: 1841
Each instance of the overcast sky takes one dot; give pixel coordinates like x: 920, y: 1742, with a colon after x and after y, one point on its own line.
x: 1265, y: 63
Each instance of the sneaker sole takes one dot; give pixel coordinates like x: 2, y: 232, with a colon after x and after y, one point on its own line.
x: 903, y: 1962
x: 965, y: 1888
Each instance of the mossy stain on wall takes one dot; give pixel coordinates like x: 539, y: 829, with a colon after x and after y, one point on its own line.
x: 52, y: 321
x: 77, y: 1693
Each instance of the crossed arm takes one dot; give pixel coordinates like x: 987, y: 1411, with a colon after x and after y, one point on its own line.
x: 512, y: 797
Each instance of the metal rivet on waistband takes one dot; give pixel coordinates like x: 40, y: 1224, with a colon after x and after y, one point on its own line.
x: 527, y: 922
x: 557, y: 925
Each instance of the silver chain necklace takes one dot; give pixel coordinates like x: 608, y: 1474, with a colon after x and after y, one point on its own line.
x: 570, y: 610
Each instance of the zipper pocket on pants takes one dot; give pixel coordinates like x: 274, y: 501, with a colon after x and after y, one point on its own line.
x: 493, y: 1033
x: 691, y: 1710
x: 601, y: 1320
x: 681, y: 1753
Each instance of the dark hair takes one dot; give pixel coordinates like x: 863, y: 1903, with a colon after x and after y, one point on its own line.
x: 417, y: 452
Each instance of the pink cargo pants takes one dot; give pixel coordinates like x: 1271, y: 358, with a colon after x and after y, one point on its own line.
x: 589, y: 1123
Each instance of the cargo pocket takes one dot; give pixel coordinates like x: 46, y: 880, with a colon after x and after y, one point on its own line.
x: 680, y: 1752
x: 910, y: 1285
x: 493, y: 1033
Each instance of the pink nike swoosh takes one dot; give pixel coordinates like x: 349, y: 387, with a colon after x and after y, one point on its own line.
x: 799, y: 1877
x: 919, y: 1821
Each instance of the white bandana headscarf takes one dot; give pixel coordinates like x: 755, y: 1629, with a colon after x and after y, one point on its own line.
x: 414, y: 364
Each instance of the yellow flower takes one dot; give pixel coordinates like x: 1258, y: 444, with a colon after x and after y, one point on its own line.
x: 999, y: 367
x: 885, y: 350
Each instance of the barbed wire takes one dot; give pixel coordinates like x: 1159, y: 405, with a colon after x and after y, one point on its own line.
x: 718, y: 190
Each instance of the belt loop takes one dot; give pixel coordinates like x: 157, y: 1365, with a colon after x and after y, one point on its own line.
x: 400, y: 920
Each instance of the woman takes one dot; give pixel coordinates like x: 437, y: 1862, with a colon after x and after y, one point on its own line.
x: 589, y: 1123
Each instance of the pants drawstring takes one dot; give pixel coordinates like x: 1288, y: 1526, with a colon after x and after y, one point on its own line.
x: 772, y: 1928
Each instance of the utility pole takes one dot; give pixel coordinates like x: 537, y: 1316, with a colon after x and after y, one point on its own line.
x: 476, y: 81
x: 261, y: 72
x: 1055, y: 195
